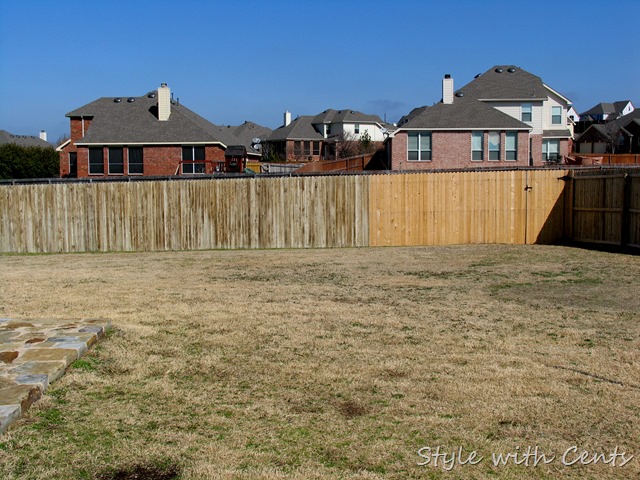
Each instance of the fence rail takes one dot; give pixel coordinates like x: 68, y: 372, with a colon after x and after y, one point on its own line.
x: 511, y: 206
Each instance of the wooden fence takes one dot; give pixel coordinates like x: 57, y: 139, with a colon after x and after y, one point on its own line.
x: 296, y: 212
x: 515, y: 207
x: 606, y: 159
x: 605, y: 208
x: 346, y: 165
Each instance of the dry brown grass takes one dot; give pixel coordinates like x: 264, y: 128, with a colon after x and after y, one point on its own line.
x: 332, y: 363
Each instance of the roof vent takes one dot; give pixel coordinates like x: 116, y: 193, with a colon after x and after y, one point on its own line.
x: 477, y: 75
x: 131, y: 100
x: 117, y: 100
x: 499, y: 70
x: 152, y: 95
x: 459, y: 94
x: 511, y: 70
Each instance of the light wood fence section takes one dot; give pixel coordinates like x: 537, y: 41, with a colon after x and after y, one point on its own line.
x: 513, y: 207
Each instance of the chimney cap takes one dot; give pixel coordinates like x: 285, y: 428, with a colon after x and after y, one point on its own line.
x: 163, y: 84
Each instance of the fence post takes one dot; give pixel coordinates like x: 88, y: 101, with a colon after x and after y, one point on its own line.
x: 568, y: 210
x: 626, y: 217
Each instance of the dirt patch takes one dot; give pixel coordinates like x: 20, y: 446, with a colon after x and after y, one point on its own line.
x: 141, y: 472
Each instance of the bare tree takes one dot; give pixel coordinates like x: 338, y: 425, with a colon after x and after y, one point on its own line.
x: 614, y: 136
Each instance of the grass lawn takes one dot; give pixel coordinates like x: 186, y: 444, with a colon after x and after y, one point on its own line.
x: 336, y: 363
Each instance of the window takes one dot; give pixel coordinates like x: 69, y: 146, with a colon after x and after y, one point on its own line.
x: 96, y: 161
x: 477, y: 146
x: 527, y: 115
x: 194, y: 160
x: 316, y: 148
x: 494, y: 145
x: 356, y: 128
x: 556, y: 115
x: 73, y: 164
x: 297, y: 149
x: 419, y: 146
x: 511, y: 146
x: 116, y: 161
x: 135, y: 161
x: 550, y: 150
x: 307, y: 148
x: 327, y: 130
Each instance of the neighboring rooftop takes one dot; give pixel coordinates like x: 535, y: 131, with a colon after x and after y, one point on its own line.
x: 134, y: 120
x: 506, y: 82
x: 300, y: 128
x: 345, y: 116
x: 22, y: 140
x: 605, y: 108
x: 464, y: 113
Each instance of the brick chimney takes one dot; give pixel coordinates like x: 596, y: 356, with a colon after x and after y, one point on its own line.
x: 447, y: 89
x: 164, y: 102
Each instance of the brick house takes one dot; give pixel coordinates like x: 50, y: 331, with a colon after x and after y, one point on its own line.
x: 504, y: 117
x: 151, y: 135
x: 315, y: 137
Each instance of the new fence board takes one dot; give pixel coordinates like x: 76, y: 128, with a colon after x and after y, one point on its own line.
x: 514, y: 207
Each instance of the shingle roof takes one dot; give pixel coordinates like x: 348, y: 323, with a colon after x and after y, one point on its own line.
x: 506, y: 82
x: 134, y: 120
x: 605, y: 108
x: 464, y: 113
x: 22, y: 140
x: 600, y: 109
x: 556, y: 133
x: 344, y: 116
x: 246, y: 132
x: 300, y: 128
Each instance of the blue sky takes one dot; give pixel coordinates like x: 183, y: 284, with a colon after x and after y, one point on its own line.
x: 232, y: 61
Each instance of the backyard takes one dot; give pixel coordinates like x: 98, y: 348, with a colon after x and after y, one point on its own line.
x: 370, y: 363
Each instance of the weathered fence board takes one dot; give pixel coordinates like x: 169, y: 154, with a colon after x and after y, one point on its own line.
x: 185, y: 215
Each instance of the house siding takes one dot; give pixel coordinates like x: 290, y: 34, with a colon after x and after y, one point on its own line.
x: 161, y: 160
x: 451, y: 149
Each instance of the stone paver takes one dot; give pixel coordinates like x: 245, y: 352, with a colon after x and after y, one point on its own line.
x: 34, y: 353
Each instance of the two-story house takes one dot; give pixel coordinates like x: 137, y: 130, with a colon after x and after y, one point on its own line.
x: 312, y: 138
x: 504, y: 115
x: 526, y: 97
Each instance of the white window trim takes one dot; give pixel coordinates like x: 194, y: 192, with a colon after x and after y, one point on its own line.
x: 193, y: 162
x: 489, y: 159
x: 522, y: 112
x: 129, y: 163
x: 89, y: 162
x: 419, y: 159
x: 109, y: 162
x: 481, y: 147
x: 505, y: 147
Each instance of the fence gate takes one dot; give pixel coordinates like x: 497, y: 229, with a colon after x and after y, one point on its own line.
x: 605, y: 209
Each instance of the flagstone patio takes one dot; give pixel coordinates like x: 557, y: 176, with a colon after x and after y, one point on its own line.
x: 34, y: 353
